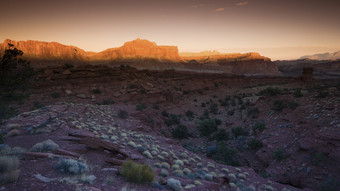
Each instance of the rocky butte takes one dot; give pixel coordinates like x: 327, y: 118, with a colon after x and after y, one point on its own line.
x: 144, y: 54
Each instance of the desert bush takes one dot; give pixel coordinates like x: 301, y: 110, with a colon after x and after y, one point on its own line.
x: 45, y: 146
x: 292, y: 105
x: 231, y: 112
x: 279, y: 155
x: 96, y: 91
x: 1, y: 138
x: 71, y: 166
x: 278, y: 105
x: 9, y: 169
x: 180, y: 132
x: 259, y: 127
x: 138, y: 173
x: 226, y: 154
x: 55, y: 95
x: 213, y: 108
x: 68, y: 66
x: 207, y: 127
x: 330, y: 184
x: 318, y: 158
x: 173, y: 119
x: 238, y: 131
x: 37, y: 105
x: 190, y: 114
x: 123, y: 114
x: 255, y: 144
x: 322, y: 94
x: 298, y: 93
x: 165, y: 113
x: 140, y: 107
x: 191, y: 146
x: 156, y: 106
x: 270, y: 91
x: 220, y: 135
x: 6, y: 112
x: 253, y: 112
x: 203, y: 104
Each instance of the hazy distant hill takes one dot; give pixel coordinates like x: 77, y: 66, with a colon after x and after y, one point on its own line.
x: 324, y: 56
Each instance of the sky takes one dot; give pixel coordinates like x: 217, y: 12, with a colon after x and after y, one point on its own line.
x: 279, y: 29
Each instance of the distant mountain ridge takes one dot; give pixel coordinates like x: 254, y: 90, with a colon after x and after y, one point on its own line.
x: 323, y: 56
x: 144, y: 54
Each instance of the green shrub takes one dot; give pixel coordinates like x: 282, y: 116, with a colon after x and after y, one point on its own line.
x: 165, y: 113
x: 255, y: 144
x: 207, y: 127
x: 220, y: 135
x: 226, y: 155
x: 322, y: 94
x: 6, y: 112
x: 231, y: 112
x: 37, y: 105
x: 213, y: 108
x: 123, y: 114
x: 270, y: 91
x: 279, y: 155
x: 96, y: 91
x: 278, y: 105
x: 203, y: 105
x: 297, y: 93
x: 259, y: 127
x: 173, y: 119
x: 180, y: 132
x: 318, y: 158
x: 156, y: 107
x: 253, y: 112
x: 143, y: 91
x: 330, y: 184
x: 71, y: 166
x: 9, y: 169
x: 140, y: 107
x: 189, y: 114
x: 138, y: 173
x: 292, y: 105
x: 68, y: 66
x: 45, y: 146
x: 55, y: 95
x: 238, y: 131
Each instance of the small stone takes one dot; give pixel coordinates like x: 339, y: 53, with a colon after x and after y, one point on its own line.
x: 208, y: 177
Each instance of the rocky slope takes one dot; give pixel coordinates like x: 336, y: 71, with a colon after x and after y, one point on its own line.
x: 143, y: 54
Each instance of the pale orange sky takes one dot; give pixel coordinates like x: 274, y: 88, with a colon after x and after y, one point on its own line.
x: 279, y: 29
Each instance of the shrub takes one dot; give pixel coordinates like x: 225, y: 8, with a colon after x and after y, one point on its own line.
x: 165, y: 113
x: 156, y: 107
x: 297, y: 93
x: 226, y: 155
x: 318, y: 158
x: 270, y: 91
x: 96, y: 91
x: 203, y: 105
x: 255, y: 144
x: 189, y: 114
x: 278, y: 105
x: 68, y: 66
x: 220, y: 135
x: 123, y: 114
x: 174, y: 184
x: 9, y: 168
x: 259, y: 127
x: 140, y: 107
x: 37, y: 105
x: 213, y: 108
x: 279, y: 155
x: 292, y: 105
x: 138, y: 173
x: 231, y: 112
x: 143, y: 91
x: 238, y: 131
x: 55, y: 95
x: 71, y: 166
x: 45, y: 146
x: 330, y: 184
x: 253, y: 112
x: 322, y: 94
x: 180, y: 132
x: 173, y: 119
x: 207, y: 127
